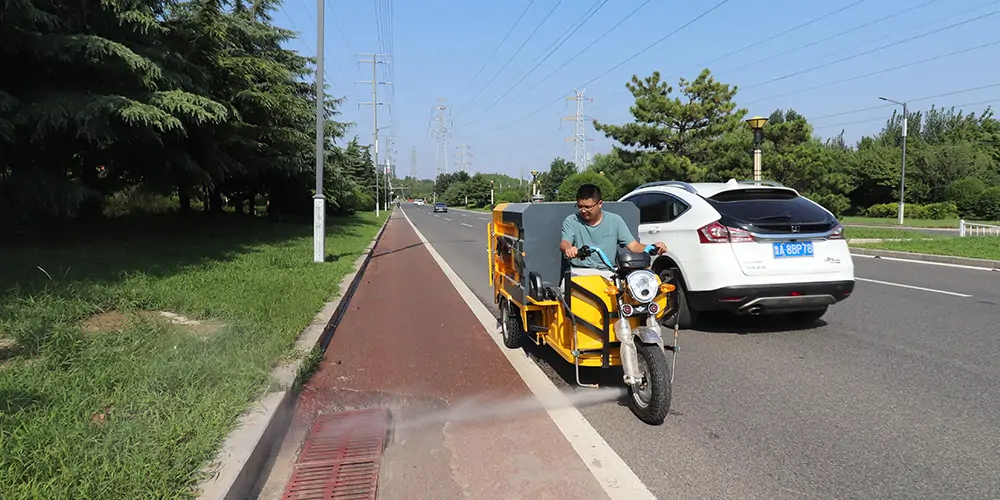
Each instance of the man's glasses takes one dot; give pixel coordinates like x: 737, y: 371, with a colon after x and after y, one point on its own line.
x: 586, y: 208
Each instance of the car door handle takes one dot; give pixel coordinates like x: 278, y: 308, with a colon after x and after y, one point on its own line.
x: 654, y: 231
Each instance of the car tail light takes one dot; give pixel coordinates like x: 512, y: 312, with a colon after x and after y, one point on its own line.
x: 838, y: 233
x: 717, y: 233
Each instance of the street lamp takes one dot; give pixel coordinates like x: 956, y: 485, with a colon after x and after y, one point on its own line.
x: 491, y: 194
x: 534, y: 182
x: 902, y: 170
x: 757, y: 125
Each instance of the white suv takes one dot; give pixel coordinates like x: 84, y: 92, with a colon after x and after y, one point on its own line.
x: 744, y: 247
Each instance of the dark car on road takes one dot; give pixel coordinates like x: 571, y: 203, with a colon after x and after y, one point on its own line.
x: 440, y: 207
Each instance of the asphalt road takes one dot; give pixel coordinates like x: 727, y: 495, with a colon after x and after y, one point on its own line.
x: 896, y: 394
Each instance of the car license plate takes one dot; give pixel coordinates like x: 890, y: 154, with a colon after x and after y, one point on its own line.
x: 793, y: 249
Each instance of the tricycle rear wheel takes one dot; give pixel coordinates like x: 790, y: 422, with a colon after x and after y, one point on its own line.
x: 650, y: 398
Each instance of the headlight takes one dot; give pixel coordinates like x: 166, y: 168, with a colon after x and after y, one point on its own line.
x: 642, y: 285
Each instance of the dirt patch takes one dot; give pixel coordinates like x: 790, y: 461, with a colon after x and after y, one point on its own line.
x: 7, y: 348
x: 115, y: 321
x: 111, y: 321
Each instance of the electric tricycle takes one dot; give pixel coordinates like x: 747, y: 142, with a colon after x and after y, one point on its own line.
x: 601, y: 320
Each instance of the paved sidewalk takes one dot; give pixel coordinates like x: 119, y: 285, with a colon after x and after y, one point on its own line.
x: 409, y: 342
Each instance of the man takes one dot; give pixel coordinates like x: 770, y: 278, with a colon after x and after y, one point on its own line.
x: 592, y: 227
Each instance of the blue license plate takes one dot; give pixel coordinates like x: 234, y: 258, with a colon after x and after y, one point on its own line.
x: 793, y: 249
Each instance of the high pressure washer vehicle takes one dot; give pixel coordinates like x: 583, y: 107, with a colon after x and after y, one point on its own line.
x: 590, y: 321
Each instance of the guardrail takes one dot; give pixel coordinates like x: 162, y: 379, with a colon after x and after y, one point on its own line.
x: 975, y: 229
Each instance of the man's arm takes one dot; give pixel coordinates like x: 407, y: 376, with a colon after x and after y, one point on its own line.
x: 625, y: 236
x: 568, y: 236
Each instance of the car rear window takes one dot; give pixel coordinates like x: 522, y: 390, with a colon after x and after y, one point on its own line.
x: 772, y: 210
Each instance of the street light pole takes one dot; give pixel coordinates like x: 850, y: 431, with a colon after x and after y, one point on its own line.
x: 491, y: 194
x: 319, y: 201
x: 757, y: 125
x: 902, y: 169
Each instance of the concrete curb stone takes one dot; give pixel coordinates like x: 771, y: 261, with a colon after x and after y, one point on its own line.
x: 924, y: 257
x: 245, y: 453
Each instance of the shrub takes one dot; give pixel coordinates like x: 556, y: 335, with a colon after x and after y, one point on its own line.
x: 988, y: 204
x: 567, y: 190
x: 965, y: 193
x: 940, y: 211
x: 935, y: 211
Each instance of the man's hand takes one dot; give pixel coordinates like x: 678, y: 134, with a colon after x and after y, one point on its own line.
x: 661, y: 247
x: 570, y: 252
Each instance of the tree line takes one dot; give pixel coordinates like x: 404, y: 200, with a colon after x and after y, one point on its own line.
x: 104, y: 105
x: 695, y: 132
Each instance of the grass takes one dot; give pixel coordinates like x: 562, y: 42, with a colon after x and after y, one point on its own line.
x: 133, y: 406
x: 852, y: 233
x: 984, y: 247
x: 930, y: 223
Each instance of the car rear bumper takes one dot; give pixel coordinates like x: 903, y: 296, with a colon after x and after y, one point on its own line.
x: 771, y: 298
x: 441, y: 210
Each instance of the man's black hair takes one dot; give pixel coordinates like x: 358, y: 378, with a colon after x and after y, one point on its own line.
x: 588, y: 192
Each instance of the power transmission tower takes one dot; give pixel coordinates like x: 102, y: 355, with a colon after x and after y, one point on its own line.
x: 374, y: 61
x: 580, y: 156
x: 464, y: 157
x: 413, y: 163
x: 442, y: 132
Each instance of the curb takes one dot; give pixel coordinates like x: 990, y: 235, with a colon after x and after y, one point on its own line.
x: 245, y: 453
x: 925, y: 257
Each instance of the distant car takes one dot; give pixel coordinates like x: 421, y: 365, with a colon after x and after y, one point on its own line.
x: 441, y: 207
x: 418, y: 201
x: 744, y: 247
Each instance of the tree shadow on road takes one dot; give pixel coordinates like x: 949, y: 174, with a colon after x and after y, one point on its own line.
x: 745, y: 325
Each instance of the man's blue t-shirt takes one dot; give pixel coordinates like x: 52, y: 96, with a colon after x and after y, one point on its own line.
x: 606, y: 235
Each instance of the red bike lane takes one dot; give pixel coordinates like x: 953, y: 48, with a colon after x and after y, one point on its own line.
x: 410, y: 343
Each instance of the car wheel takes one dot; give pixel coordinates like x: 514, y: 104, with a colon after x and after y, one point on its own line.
x: 682, y: 316
x: 810, y: 316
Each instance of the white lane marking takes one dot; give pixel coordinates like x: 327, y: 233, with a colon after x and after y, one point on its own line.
x: 436, y: 215
x: 945, y: 292
x: 483, y: 218
x: 465, y: 215
x: 943, y: 264
x: 613, y: 474
x: 447, y: 219
x: 466, y: 225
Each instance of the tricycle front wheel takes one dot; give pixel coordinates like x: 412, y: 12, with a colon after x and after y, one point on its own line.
x: 650, y: 398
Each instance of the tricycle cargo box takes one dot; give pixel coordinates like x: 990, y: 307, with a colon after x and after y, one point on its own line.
x: 539, y: 231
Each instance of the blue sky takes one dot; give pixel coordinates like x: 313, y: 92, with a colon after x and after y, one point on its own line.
x: 437, y: 46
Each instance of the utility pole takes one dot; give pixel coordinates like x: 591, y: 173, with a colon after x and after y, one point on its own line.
x: 580, y: 157
x: 463, y: 157
x: 413, y: 163
x: 375, y: 104
x: 442, y: 132
x: 319, y: 200
x: 902, y: 170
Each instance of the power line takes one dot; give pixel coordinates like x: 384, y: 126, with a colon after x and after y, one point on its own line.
x: 609, y: 70
x: 773, y: 37
x: 516, y: 52
x: 925, y: 98
x: 831, y: 37
x: 878, y: 72
x: 994, y: 100
x: 585, y: 49
x: 578, y: 24
x: 502, y: 41
x: 871, y: 51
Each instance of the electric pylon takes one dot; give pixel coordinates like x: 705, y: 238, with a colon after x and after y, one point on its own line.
x: 464, y: 157
x: 442, y: 132
x: 580, y: 157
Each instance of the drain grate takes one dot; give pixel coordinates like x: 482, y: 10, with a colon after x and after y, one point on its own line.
x: 341, y: 457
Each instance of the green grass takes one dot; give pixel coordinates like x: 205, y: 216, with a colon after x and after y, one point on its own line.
x: 888, y: 233
x: 135, y: 406
x: 984, y: 247
x: 943, y: 223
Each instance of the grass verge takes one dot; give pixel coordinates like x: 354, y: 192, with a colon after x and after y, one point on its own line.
x: 930, y: 223
x: 853, y: 232
x: 101, y: 395
x: 972, y: 247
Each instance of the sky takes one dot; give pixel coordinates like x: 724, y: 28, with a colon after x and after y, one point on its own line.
x: 826, y: 60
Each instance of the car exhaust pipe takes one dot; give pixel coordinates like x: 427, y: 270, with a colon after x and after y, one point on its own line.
x: 754, y: 311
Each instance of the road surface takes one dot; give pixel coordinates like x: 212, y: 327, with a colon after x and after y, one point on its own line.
x: 896, y: 395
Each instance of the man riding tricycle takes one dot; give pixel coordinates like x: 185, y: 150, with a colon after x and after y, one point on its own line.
x: 585, y: 291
